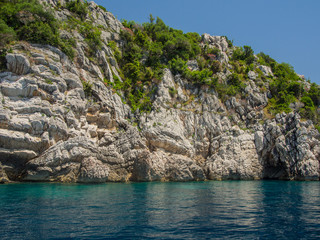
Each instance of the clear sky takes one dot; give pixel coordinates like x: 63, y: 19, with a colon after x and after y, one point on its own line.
x: 287, y: 30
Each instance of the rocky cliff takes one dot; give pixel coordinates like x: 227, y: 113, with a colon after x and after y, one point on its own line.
x: 62, y: 119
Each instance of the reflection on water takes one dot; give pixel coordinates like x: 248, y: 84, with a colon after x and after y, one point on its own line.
x: 196, y: 210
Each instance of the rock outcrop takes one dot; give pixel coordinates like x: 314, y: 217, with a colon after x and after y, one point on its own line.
x: 51, y: 130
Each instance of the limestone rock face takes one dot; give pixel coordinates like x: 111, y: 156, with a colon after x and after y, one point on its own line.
x: 294, y: 148
x: 59, y: 121
x: 220, y: 43
x: 266, y: 70
x: 18, y: 64
x: 234, y: 157
x: 3, y: 175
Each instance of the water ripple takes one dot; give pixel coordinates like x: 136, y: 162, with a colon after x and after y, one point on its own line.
x: 196, y: 210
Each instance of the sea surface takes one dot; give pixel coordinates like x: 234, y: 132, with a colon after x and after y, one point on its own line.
x: 193, y: 210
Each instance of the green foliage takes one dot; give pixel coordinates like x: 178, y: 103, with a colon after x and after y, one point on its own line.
x: 248, y: 52
x: 244, y: 53
x: 285, y: 72
x: 103, y: 8
x: 59, y: 4
x: 117, y: 84
x: 48, y: 81
x: 150, y: 47
x: 178, y: 66
x: 3, y: 53
x: 173, y: 92
x: 91, y: 33
x: 225, y: 91
x: 199, y: 77
x: 230, y: 42
x: 133, y: 70
x: 92, y: 36
x: 115, y: 49
x: 153, y: 46
x: 314, y: 94
x: 309, y: 113
x: 287, y: 88
x: 281, y: 98
x: 38, y: 32
x: 234, y: 80
x: 296, y: 89
x: 175, y: 43
x: 87, y: 88
x: 307, y: 101
x: 281, y: 104
x: 78, y: 7
x: 151, y: 18
x: 155, y: 54
x: 265, y: 59
x: 27, y: 20
x: 67, y: 46
x: 7, y: 34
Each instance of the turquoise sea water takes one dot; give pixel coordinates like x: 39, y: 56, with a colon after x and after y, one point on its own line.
x: 195, y: 210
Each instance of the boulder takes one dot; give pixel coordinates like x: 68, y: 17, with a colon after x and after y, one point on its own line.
x: 18, y: 64
x: 266, y: 70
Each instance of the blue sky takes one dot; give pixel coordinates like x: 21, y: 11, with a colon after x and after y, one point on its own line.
x: 287, y: 30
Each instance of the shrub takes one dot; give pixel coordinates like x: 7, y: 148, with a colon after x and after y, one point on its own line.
x: 234, y: 80
x: 78, y: 7
x: 295, y: 88
x: 131, y: 53
x: 92, y: 36
x: 172, y: 92
x: 214, y: 51
x: 103, y: 8
x: 3, y: 61
x: 115, y: 49
x: 66, y: 46
x: 309, y: 113
x: 307, y: 101
x: 224, y: 91
x: 7, y: 34
x: 265, y: 59
x: 280, y: 102
x: 28, y: 20
x: 199, y: 77
x: 133, y: 71
x: 314, y: 94
x: 285, y: 72
x: 155, y: 54
x: 38, y: 32
x: 244, y: 53
x: 178, y: 66
x: 87, y: 88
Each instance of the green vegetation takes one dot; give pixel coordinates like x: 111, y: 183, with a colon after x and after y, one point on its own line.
x: 115, y: 49
x: 92, y: 36
x: 153, y: 46
x: 27, y: 20
x: 87, y: 88
x: 7, y: 34
x: 173, y: 92
x: 287, y: 87
x: 103, y: 8
x: 78, y: 7
x: 48, y: 81
x: 244, y: 53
